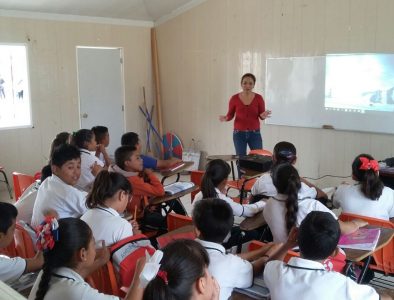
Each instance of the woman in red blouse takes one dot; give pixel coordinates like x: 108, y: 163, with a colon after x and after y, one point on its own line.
x: 248, y: 108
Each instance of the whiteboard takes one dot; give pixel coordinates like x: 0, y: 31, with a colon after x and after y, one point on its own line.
x: 295, y: 93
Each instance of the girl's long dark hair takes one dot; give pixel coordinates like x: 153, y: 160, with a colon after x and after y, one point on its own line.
x: 216, y: 171
x: 287, y: 181
x: 284, y: 152
x: 184, y: 262
x: 105, y: 185
x: 82, y: 137
x: 371, y: 185
x: 74, y: 234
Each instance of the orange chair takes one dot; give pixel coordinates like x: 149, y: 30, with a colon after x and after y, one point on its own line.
x: 196, y: 177
x: 175, y: 221
x: 21, y: 183
x: 254, y: 245
x: 23, y: 243
x: 165, y: 239
x: 261, y: 152
x: 10, y: 250
x: 384, y: 257
x: 104, y: 280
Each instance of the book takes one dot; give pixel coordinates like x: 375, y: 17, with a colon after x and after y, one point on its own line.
x: 362, y: 239
x: 258, y: 290
x: 178, y: 187
x: 174, y: 167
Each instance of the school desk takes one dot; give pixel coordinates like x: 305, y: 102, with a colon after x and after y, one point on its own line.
x: 230, y: 158
x: 254, y: 222
x: 169, y: 172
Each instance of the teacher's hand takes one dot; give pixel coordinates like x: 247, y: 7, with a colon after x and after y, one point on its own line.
x: 266, y: 114
x: 222, y: 118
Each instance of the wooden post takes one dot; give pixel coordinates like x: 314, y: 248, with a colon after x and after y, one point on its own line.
x: 155, y: 65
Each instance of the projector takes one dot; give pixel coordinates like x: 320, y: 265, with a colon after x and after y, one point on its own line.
x: 255, y: 162
x: 389, y: 162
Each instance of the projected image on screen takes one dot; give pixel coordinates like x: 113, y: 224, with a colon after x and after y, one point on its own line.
x: 360, y: 82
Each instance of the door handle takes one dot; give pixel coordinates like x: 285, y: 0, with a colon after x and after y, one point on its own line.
x: 85, y: 115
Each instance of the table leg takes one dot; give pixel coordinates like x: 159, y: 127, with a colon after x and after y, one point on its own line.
x: 232, y: 169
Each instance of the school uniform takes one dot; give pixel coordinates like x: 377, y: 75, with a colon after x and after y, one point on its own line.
x: 229, y: 270
x: 352, y: 200
x: 67, y: 284
x: 107, y: 225
x: 265, y: 186
x: 25, y: 203
x: 308, y: 280
x: 55, y: 194
x: 275, y: 211
x: 239, y: 210
x: 88, y: 159
x: 11, y: 268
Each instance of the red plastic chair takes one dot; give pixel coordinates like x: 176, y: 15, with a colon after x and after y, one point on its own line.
x: 175, y: 221
x: 23, y: 242
x: 21, y: 183
x: 196, y: 177
x: 384, y: 257
x: 165, y: 239
x: 254, y: 245
x: 261, y: 152
x: 10, y: 250
x: 104, y: 280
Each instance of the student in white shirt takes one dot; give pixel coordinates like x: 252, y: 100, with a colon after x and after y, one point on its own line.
x: 182, y: 274
x: 285, y: 152
x: 213, y: 220
x: 286, y: 210
x: 57, y: 194
x: 101, y: 134
x: 369, y: 197
x: 106, y: 201
x: 12, y: 268
x: 85, y: 140
x: 69, y: 257
x: 305, y: 277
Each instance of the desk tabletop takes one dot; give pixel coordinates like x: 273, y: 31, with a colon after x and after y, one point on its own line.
x: 225, y: 157
x: 386, y: 234
x: 183, y: 229
x: 254, y: 222
x: 167, y: 197
x: 168, y: 172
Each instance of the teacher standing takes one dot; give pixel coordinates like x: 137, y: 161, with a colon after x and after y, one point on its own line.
x: 248, y: 108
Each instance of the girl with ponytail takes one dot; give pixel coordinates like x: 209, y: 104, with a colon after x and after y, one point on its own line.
x: 286, y: 209
x: 368, y: 197
x: 108, y: 199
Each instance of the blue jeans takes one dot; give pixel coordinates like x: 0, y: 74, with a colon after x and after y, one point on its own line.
x: 242, y: 139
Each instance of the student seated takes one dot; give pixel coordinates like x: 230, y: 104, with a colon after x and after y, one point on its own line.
x: 102, y: 139
x: 69, y: 257
x: 57, y: 193
x: 85, y: 140
x: 13, y: 268
x: 284, y: 152
x: 368, y: 197
x: 106, y: 201
x: 149, y: 162
x: 213, y: 219
x: 305, y: 277
x: 60, y: 139
x: 286, y: 209
x: 183, y: 274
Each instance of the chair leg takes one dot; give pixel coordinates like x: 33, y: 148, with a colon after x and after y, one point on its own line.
x: 7, y: 183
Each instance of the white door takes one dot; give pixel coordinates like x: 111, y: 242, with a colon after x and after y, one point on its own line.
x: 101, y: 91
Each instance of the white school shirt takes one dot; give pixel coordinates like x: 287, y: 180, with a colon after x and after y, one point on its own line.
x: 11, y: 268
x: 86, y: 179
x: 25, y: 203
x: 352, y: 200
x: 308, y: 280
x: 107, y: 225
x: 239, y: 210
x: 275, y: 212
x: 265, y: 186
x: 57, y: 195
x: 229, y: 270
x: 67, y: 284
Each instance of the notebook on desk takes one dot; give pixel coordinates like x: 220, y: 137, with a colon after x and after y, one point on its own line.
x: 258, y: 290
x: 174, y: 167
x: 362, y: 239
x: 177, y: 187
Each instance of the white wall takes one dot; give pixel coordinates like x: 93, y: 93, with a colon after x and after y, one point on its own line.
x: 53, y: 82
x: 204, y: 52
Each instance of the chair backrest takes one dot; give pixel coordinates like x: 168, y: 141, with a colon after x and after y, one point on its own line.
x: 254, y: 245
x: 165, y: 239
x: 21, y: 183
x: 261, y: 152
x: 23, y: 243
x: 196, y: 177
x: 175, y: 221
x: 104, y: 280
x: 10, y: 250
x: 384, y: 257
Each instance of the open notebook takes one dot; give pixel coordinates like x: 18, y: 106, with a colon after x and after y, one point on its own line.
x: 362, y: 239
x: 178, y: 187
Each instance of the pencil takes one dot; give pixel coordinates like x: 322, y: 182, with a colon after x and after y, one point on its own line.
x: 135, y: 212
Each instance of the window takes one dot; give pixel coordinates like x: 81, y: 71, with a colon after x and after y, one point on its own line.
x: 14, y: 87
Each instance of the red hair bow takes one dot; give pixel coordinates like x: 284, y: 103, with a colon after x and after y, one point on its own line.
x: 367, y: 164
x: 163, y: 275
x: 47, y: 234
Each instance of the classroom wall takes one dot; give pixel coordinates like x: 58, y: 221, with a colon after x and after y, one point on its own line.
x: 53, y: 82
x: 204, y: 52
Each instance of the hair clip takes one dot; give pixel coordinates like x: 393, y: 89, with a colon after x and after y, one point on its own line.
x: 151, y: 268
x: 367, y: 164
x: 47, y: 234
x: 163, y: 275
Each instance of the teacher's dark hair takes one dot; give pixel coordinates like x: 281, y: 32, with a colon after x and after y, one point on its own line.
x: 249, y: 75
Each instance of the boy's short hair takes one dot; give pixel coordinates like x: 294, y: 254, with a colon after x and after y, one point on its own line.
x: 8, y: 213
x: 122, y: 154
x: 318, y: 235
x: 214, y: 219
x: 63, y: 154
x: 99, y: 132
x: 129, y: 139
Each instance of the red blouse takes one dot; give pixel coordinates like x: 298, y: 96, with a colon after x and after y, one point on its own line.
x: 246, y: 116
